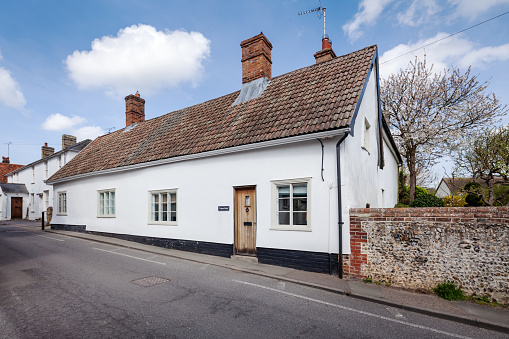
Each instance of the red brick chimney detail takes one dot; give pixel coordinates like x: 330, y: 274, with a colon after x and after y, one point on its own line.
x: 5, y: 160
x: 134, y: 109
x: 326, y: 53
x: 256, y: 58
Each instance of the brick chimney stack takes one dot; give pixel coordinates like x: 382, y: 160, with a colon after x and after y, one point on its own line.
x: 134, y: 109
x: 68, y: 140
x: 5, y: 160
x: 256, y: 59
x: 326, y: 53
x: 46, y: 150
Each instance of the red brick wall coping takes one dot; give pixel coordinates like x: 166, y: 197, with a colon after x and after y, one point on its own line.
x: 440, y: 214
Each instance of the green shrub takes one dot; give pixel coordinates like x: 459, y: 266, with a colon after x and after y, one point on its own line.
x: 367, y: 280
x: 427, y: 200
x: 454, y: 201
x: 400, y: 205
x: 420, y: 190
x: 449, y: 291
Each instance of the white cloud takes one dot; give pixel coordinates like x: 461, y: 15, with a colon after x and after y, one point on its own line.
x: 455, y: 51
x: 58, y: 122
x: 419, y: 12
x: 10, y: 93
x: 88, y: 132
x: 140, y: 58
x: 369, y: 10
x: 485, y: 55
x: 471, y: 9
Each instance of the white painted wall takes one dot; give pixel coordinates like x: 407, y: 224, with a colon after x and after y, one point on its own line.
x: 204, y: 184
x: 36, y: 185
x: 443, y: 190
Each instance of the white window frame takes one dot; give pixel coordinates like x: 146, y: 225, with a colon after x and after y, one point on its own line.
x: 274, y: 212
x: 100, y: 209
x: 160, y: 207
x: 366, y: 136
x: 62, y: 203
x: 46, y: 171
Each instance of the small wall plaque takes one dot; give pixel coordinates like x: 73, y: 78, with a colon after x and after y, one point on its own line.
x: 223, y: 208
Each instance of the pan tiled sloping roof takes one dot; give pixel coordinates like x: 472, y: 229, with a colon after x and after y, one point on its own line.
x: 7, y: 168
x: 317, y: 98
x: 457, y: 184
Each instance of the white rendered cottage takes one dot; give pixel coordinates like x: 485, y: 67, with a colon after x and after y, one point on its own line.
x: 29, y: 203
x: 254, y: 172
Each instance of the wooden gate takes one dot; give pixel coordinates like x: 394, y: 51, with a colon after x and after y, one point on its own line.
x: 245, y: 220
x: 16, y: 208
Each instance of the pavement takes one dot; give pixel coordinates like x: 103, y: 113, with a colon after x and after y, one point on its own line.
x: 467, y: 312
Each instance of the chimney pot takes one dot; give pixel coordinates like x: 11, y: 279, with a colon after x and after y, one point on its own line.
x: 256, y: 58
x: 326, y: 53
x: 5, y: 160
x: 134, y: 109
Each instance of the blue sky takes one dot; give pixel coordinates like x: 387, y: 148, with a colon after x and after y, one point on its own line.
x: 66, y: 66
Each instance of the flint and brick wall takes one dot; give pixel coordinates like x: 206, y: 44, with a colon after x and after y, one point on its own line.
x: 421, y: 247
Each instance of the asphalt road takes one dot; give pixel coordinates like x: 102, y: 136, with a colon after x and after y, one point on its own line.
x: 53, y: 286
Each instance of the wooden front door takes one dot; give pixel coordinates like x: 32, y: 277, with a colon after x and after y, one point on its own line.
x: 16, y: 208
x: 245, y: 220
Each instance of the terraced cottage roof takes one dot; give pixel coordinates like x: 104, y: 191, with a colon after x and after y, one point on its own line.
x: 317, y: 98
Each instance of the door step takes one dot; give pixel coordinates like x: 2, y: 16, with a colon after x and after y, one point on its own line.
x: 245, y: 258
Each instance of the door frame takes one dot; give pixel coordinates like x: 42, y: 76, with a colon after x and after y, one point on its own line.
x: 235, y: 190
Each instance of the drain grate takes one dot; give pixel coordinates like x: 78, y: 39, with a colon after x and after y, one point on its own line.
x: 150, y: 281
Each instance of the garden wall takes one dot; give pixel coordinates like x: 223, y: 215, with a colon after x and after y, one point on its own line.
x: 421, y: 247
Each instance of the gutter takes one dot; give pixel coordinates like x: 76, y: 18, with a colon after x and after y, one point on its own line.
x: 340, y: 207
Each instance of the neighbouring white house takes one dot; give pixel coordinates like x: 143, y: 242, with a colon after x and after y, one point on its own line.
x: 37, y: 196
x: 269, y: 171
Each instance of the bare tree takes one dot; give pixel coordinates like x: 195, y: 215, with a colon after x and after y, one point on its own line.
x: 430, y: 112
x: 485, y: 157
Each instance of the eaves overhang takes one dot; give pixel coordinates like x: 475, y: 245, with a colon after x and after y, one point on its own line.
x: 229, y: 150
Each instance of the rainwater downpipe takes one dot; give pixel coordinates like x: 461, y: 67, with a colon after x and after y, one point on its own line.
x: 340, y: 208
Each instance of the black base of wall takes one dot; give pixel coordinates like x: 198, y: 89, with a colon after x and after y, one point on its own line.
x: 301, y: 260
x: 73, y: 228
x: 220, y: 250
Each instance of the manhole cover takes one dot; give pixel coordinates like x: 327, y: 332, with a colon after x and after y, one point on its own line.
x: 149, y: 281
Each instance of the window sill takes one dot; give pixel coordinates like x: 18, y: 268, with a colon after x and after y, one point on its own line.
x: 291, y: 228
x: 106, y: 216
x: 64, y: 214
x: 163, y: 223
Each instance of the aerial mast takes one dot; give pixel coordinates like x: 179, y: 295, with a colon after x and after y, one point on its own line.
x: 321, y: 12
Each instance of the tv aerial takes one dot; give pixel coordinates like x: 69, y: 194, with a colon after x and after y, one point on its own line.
x: 320, y: 12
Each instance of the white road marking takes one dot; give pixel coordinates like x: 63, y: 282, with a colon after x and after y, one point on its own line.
x: 354, y: 310
x: 395, y: 312
x: 130, y: 256
x: 50, y: 238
